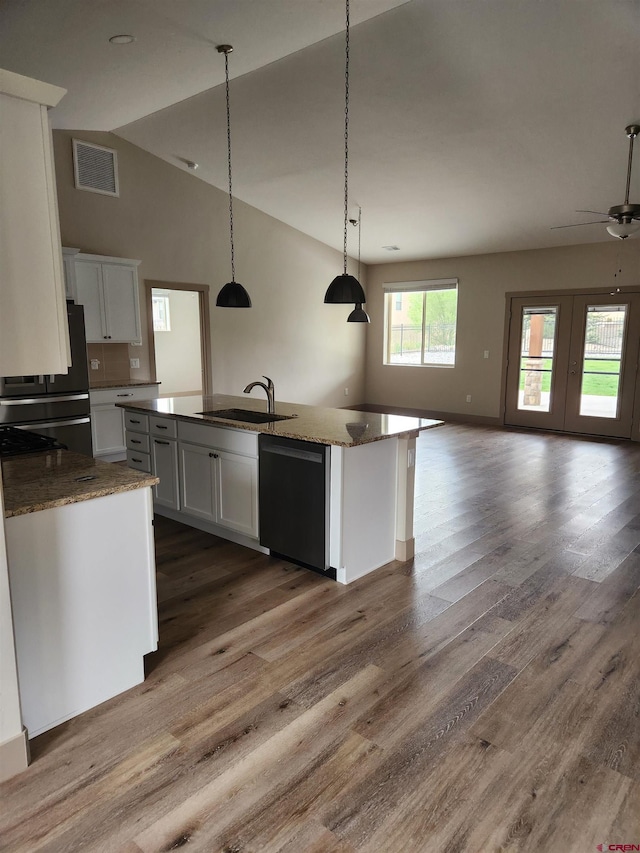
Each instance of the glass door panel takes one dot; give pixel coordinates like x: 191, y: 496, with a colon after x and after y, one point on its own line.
x: 605, y: 328
x: 537, y: 361
x: 602, y: 364
x: 537, y: 351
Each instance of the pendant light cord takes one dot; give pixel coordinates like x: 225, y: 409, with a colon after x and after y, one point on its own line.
x: 226, y: 74
x: 359, y: 235
x: 346, y: 137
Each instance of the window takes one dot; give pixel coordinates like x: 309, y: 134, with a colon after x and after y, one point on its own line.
x: 420, y: 322
x: 161, y: 315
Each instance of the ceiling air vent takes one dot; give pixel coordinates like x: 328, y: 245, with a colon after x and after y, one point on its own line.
x: 95, y: 168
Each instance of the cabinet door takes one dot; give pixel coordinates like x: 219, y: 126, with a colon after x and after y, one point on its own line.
x: 89, y: 294
x: 164, y: 454
x: 197, y: 481
x: 33, y: 320
x: 237, y: 487
x: 121, y: 309
x: 107, y: 430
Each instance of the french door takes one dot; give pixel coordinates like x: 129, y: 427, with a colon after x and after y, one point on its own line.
x: 572, y: 363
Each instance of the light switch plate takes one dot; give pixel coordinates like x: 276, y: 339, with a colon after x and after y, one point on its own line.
x: 134, y: 362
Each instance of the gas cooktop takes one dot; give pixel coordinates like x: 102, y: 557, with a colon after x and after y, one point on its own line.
x: 14, y: 442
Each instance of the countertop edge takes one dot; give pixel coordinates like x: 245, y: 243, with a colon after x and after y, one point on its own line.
x: 313, y: 436
x: 105, y: 491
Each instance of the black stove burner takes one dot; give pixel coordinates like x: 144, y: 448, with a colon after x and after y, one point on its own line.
x: 14, y: 442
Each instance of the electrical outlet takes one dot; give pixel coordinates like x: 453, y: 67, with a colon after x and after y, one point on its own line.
x: 346, y: 392
x: 486, y: 353
x: 95, y: 364
x: 468, y: 398
x: 134, y: 362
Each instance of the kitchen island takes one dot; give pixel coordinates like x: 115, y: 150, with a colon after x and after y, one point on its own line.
x: 82, y: 575
x: 208, y: 470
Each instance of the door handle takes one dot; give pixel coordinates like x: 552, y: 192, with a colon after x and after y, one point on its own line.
x: 572, y: 372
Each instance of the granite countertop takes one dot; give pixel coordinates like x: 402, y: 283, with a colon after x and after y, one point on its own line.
x: 120, y: 383
x: 341, y: 427
x: 54, y: 478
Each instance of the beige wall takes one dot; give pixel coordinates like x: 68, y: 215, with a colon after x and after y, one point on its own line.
x: 484, y: 280
x: 178, y: 350
x: 177, y: 225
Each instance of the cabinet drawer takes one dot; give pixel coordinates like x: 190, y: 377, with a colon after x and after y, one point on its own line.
x: 162, y: 426
x: 235, y: 440
x: 137, y: 441
x: 122, y: 394
x: 136, y: 422
x: 139, y: 461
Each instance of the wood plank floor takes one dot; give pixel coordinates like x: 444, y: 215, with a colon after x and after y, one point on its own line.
x: 484, y: 697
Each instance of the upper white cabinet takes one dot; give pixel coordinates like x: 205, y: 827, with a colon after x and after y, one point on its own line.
x: 108, y: 289
x: 34, y: 335
x: 69, y: 269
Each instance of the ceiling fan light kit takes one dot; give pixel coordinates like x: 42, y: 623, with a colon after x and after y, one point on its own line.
x: 233, y: 294
x: 624, y: 219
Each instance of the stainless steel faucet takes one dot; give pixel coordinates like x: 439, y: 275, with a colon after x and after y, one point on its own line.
x: 270, y: 391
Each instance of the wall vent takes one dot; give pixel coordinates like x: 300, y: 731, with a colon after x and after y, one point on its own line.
x: 95, y: 168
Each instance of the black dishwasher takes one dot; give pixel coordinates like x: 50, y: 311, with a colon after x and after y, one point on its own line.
x: 294, y: 515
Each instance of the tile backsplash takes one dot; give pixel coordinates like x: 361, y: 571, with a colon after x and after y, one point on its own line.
x: 113, y: 362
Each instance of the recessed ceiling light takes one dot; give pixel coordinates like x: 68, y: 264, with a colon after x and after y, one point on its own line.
x: 392, y: 248
x: 122, y: 39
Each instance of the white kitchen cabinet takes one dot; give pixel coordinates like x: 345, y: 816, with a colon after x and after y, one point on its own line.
x: 34, y: 336
x: 84, y: 602
x: 218, y: 484
x: 164, y: 464
x: 210, y: 474
x: 108, y: 289
x: 198, y: 481
x: 69, y: 270
x: 237, y: 492
x: 107, y: 424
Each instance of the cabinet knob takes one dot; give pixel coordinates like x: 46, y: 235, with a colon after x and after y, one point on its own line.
x: 213, y: 455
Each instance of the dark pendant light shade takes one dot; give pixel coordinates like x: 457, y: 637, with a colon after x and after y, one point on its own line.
x: 345, y: 290
x: 233, y: 295
x: 358, y: 315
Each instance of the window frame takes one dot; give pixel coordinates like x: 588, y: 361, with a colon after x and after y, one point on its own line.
x: 391, y: 289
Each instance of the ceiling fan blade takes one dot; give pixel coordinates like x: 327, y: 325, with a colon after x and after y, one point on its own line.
x: 578, y: 224
x: 597, y: 212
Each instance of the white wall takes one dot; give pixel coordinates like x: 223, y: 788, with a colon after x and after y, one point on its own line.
x: 178, y: 357
x: 178, y: 226
x: 483, y: 282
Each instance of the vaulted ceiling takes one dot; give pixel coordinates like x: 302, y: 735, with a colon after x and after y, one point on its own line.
x: 475, y: 125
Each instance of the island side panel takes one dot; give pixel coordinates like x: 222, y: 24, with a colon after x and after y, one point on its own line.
x: 368, y: 510
x: 83, y: 592
x: 405, y: 541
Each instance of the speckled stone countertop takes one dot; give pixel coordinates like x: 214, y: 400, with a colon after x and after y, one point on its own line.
x: 53, y: 478
x: 341, y: 427
x: 120, y: 383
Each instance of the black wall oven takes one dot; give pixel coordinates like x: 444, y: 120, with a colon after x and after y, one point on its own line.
x: 56, y: 405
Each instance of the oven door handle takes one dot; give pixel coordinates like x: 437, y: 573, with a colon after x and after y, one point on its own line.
x: 40, y: 425
x: 44, y: 399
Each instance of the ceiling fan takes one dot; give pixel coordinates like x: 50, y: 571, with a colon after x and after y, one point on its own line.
x: 623, y: 219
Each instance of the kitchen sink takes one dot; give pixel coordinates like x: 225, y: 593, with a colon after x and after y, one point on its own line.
x: 246, y: 416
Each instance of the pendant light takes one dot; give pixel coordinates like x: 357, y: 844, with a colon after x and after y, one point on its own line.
x: 358, y: 315
x: 233, y: 294
x: 345, y: 289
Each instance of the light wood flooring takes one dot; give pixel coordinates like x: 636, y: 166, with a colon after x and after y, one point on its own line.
x: 484, y: 697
